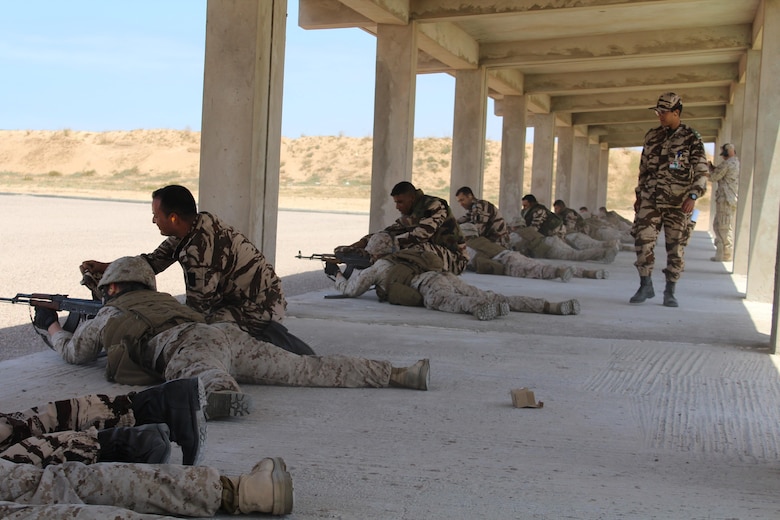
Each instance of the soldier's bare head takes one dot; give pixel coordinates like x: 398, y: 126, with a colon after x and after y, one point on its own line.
x: 465, y: 197
x: 403, y: 195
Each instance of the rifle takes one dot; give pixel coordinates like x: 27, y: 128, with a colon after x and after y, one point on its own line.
x: 79, y: 309
x: 352, y: 260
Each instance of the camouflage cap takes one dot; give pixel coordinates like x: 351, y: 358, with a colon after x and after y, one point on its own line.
x: 129, y: 269
x: 667, y: 102
x: 381, y: 244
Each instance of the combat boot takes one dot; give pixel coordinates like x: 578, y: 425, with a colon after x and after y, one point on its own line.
x: 416, y: 377
x: 598, y: 274
x: 179, y: 404
x: 728, y: 254
x: 225, y: 403
x: 564, y: 273
x: 485, y: 311
x: 645, y: 290
x: 268, y: 488
x: 148, y: 444
x: 563, y: 308
x: 669, y: 299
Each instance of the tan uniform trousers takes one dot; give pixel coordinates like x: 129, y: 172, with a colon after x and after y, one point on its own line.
x: 223, y: 356
x: 76, y: 491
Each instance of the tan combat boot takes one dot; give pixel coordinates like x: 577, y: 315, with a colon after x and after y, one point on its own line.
x: 598, y: 274
x: 563, y: 308
x: 564, y: 273
x: 266, y: 489
x: 415, y: 377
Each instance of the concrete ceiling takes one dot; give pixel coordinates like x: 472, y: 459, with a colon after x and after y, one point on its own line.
x: 598, y: 64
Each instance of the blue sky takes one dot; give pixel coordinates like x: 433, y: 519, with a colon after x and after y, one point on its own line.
x: 120, y: 65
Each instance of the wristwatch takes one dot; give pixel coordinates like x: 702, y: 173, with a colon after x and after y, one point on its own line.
x: 693, y: 196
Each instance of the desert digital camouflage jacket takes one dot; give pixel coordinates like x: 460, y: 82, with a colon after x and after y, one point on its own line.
x: 488, y: 222
x: 673, y: 165
x: 726, y: 174
x: 227, y: 277
x: 572, y: 221
x: 431, y: 220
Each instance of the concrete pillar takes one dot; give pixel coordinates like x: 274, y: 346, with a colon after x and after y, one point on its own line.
x: 564, y: 165
x: 242, y: 116
x: 579, y: 177
x: 601, y: 196
x: 762, y: 263
x: 594, y: 160
x: 396, y: 68
x: 747, y: 154
x: 512, y: 156
x: 468, y: 133
x: 542, y: 167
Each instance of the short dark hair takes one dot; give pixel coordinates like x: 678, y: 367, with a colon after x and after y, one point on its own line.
x: 559, y: 202
x: 465, y: 190
x: 530, y: 198
x: 403, y: 187
x: 176, y: 199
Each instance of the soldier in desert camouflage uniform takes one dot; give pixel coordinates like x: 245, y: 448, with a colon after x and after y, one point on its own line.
x: 426, y: 224
x: 540, y: 218
x: 726, y: 174
x: 484, y: 216
x: 173, y: 341
x: 577, y: 229
x: 134, y: 427
x: 226, y: 277
x: 672, y: 175
x: 115, y: 491
x: 531, y: 242
x: 440, y: 290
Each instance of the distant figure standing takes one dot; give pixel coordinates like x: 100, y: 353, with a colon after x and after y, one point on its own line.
x: 673, y: 173
x: 726, y: 174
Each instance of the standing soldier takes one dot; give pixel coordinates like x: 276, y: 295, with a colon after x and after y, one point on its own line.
x: 726, y: 174
x: 672, y: 175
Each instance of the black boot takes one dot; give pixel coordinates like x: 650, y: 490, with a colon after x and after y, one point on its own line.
x: 148, y: 444
x: 179, y: 404
x: 645, y: 290
x: 669, y: 299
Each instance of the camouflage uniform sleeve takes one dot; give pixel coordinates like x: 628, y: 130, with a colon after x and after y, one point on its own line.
x: 701, y: 167
x: 426, y: 227
x: 538, y: 216
x: 642, y: 183
x: 722, y: 170
x: 361, y: 281
x: 85, y: 344
x: 164, y: 256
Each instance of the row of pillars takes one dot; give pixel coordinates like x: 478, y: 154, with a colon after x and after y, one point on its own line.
x: 241, y: 135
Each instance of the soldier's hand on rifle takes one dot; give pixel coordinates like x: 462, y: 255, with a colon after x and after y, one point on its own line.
x: 45, y: 318
x: 93, y: 266
x: 332, y: 268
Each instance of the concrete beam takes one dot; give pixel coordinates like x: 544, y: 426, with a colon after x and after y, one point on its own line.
x: 329, y: 14
x: 637, y: 100
x: 506, y: 82
x: 614, y: 47
x: 449, y: 44
x: 643, y: 115
x: 664, y: 78
x: 393, y: 12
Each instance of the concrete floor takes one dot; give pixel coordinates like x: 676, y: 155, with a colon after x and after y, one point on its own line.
x: 649, y: 412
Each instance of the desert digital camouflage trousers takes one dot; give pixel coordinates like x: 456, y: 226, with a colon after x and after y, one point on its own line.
x: 115, y: 491
x: 520, y: 266
x: 223, y: 356
x: 449, y: 293
x: 579, y: 240
x: 557, y: 248
x: 63, y: 430
x: 723, y: 226
x: 647, y: 226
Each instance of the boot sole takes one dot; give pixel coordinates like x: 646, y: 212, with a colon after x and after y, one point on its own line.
x: 283, y: 488
x: 227, y: 404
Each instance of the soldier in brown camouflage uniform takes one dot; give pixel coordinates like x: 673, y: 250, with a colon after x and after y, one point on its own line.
x: 483, y: 216
x: 672, y: 175
x: 540, y: 218
x: 116, y: 491
x: 726, y: 174
x: 226, y: 277
x: 172, y: 340
x: 426, y: 224
x: 135, y: 427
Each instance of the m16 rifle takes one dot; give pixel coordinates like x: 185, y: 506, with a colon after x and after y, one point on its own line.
x: 354, y: 258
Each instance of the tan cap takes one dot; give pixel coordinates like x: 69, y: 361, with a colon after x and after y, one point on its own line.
x: 667, y: 102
